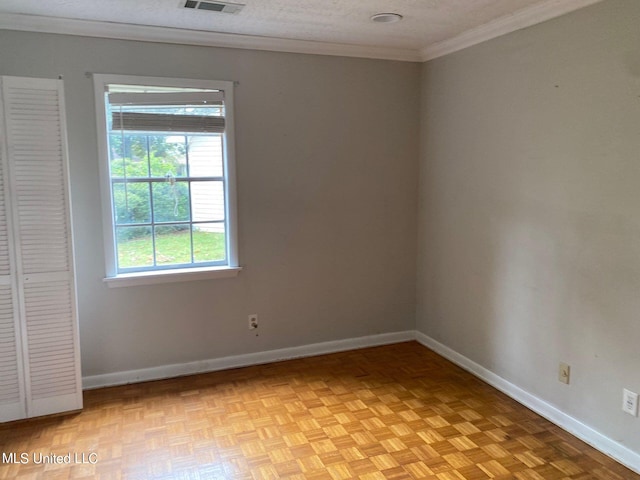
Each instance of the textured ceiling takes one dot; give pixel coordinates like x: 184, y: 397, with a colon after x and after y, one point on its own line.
x: 425, y: 23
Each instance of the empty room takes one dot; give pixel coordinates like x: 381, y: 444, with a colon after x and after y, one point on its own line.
x: 320, y: 240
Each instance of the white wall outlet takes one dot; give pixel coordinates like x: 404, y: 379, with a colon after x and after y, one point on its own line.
x: 629, y: 402
x: 564, y: 373
x: 253, y: 321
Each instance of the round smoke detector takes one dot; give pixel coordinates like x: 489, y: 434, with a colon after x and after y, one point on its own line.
x: 386, y: 17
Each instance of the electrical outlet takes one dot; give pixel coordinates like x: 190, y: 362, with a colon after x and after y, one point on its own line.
x: 564, y: 373
x: 629, y: 402
x: 253, y: 321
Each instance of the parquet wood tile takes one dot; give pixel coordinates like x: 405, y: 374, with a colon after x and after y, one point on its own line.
x: 394, y: 412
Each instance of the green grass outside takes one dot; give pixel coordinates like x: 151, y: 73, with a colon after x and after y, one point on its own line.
x: 171, y: 248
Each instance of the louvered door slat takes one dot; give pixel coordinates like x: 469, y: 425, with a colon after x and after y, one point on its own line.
x: 45, y: 374
x: 40, y: 203
x: 48, y: 337
x: 10, y: 391
x: 4, y: 229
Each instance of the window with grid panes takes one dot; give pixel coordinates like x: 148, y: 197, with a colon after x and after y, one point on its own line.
x: 169, y: 158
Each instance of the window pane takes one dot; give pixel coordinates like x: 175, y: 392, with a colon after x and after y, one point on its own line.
x: 135, y: 247
x: 136, y: 155
x: 207, y: 201
x: 208, y: 242
x: 171, y: 201
x: 116, y: 156
x: 205, y: 155
x: 168, y: 155
x: 173, y: 244
x: 131, y: 202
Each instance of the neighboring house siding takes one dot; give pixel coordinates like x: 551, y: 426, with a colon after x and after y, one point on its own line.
x: 207, y: 197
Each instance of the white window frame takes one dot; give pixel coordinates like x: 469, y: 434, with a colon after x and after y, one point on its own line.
x: 115, y: 279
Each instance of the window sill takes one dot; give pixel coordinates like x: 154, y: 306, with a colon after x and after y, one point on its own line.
x: 171, y: 276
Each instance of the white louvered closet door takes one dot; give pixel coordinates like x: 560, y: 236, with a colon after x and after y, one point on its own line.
x: 42, y: 243
x: 12, y: 395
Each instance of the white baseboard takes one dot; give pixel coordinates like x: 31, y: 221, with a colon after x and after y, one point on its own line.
x: 609, y: 447
x: 244, y: 360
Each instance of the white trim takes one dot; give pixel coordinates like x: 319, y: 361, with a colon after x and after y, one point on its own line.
x: 606, y: 445
x: 230, y: 185
x: 518, y: 20
x: 171, y: 276
x: 108, y: 232
x: 244, y: 360
x: 144, y: 33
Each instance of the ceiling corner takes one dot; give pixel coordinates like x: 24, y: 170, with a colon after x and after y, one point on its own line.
x: 518, y: 20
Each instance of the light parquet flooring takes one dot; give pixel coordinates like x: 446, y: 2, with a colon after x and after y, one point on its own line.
x: 394, y: 412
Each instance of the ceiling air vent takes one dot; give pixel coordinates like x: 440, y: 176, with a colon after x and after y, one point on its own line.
x: 223, y: 7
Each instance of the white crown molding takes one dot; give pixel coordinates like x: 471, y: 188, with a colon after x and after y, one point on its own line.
x: 144, y: 33
x: 606, y: 445
x: 518, y: 20
x: 523, y: 18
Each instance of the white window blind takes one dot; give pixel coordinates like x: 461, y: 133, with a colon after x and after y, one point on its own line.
x: 157, y: 122
x: 153, y: 112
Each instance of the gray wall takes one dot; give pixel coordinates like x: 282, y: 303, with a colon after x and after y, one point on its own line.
x: 327, y: 152
x: 529, y: 210
x: 528, y: 205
